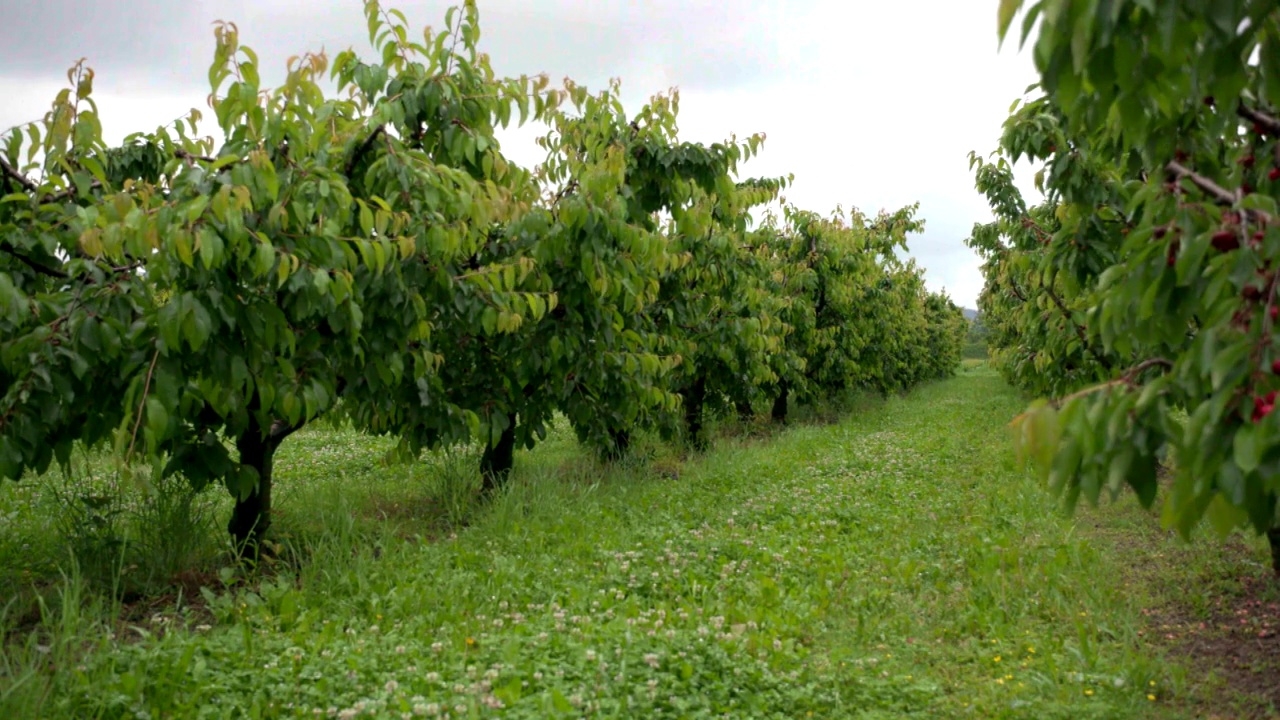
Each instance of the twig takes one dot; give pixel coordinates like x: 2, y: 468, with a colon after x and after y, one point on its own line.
x: 146, y: 388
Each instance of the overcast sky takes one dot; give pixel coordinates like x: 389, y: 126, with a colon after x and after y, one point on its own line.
x: 870, y: 104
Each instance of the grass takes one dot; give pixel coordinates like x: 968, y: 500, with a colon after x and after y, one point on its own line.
x: 894, y: 564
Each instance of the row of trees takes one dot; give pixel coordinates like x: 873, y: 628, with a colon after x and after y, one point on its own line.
x: 372, y: 254
x: 1140, y: 296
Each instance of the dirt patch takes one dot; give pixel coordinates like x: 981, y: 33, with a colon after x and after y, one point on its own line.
x: 1232, y: 640
x: 1219, y: 617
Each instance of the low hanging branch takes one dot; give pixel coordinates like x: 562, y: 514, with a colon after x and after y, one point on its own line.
x: 1129, y: 378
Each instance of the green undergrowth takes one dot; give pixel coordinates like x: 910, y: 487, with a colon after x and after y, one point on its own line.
x: 893, y: 564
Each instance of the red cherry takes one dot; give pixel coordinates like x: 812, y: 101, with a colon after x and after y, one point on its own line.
x: 1275, y: 367
x: 1247, y: 161
x: 1209, y: 101
x: 1258, y: 129
x: 1274, y: 174
x: 1225, y: 240
x: 1251, y: 293
x: 1262, y: 407
x: 1275, y: 312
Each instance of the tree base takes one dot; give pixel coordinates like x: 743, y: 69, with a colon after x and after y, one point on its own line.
x: 498, y: 460
x: 779, y: 411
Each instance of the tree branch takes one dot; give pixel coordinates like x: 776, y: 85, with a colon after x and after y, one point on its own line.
x: 1084, y: 340
x: 1126, y: 379
x: 184, y: 155
x: 363, y: 148
x: 1265, y: 121
x: 146, y: 388
x: 43, y: 270
x: 12, y: 173
x: 1209, y: 187
x: 281, y: 430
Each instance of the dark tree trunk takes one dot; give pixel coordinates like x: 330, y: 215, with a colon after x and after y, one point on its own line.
x: 619, y: 445
x: 251, y: 516
x: 694, y: 398
x: 498, y: 459
x: 1273, y: 537
x: 779, y: 412
x: 746, y: 413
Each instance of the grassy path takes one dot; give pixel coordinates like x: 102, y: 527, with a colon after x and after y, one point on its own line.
x: 895, y: 564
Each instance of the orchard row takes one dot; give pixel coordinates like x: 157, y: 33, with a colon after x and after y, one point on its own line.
x: 371, y: 254
x: 1140, y: 296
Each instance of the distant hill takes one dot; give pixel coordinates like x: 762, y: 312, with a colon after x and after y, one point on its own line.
x: 969, y: 314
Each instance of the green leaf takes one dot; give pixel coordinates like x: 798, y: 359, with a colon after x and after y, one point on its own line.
x: 1008, y: 9
x: 1249, y: 444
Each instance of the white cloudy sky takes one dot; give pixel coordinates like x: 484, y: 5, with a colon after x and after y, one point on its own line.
x: 870, y: 104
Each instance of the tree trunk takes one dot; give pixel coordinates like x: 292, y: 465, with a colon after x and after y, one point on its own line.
x: 694, y: 398
x: 251, y: 516
x: 498, y: 459
x: 779, y: 412
x: 746, y: 413
x: 1273, y: 538
x: 619, y: 444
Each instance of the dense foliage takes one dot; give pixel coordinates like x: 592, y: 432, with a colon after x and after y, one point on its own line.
x: 373, y: 255
x: 1141, y: 295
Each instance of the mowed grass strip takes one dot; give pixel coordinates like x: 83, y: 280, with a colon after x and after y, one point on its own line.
x: 894, y: 564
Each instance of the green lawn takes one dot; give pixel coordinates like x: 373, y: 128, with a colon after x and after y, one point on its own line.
x: 894, y: 564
